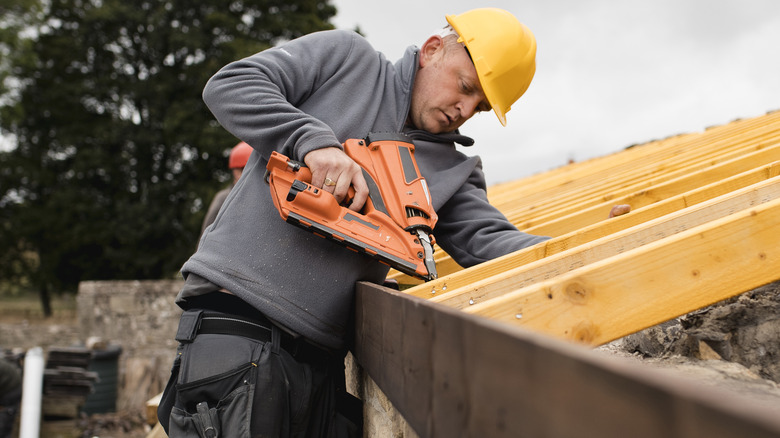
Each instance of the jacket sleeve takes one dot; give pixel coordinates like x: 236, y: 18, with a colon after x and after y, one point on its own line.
x: 259, y: 98
x: 473, y: 231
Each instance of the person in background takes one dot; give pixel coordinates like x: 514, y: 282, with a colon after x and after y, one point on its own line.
x: 10, y: 393
x: 239, y: 155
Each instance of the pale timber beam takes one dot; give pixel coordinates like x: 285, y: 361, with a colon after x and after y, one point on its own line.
x: 650, y: 284
x: 580, y: 214
x: 577, y: 175
x: 453, y: 277
x: 478, y: 291
x: 640, y: 176
x: 640, y: 160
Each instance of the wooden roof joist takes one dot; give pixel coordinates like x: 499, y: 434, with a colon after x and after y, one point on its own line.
x: 556, y: 205
x: 579, y: 214
x: 470, y: 287
x: 652, y: 283
x: 626, y: 160
x: 619, y: 234
x: 595, y: 194
x: 647, y: 204
x: 630, y: 168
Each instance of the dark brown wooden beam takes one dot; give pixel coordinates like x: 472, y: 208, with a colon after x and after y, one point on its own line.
x: 452, y: 374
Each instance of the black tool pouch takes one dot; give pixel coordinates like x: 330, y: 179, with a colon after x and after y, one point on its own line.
x: 220, y: 406
x: 212, y: 386
x: 188, y: 329
x: 168, y: 397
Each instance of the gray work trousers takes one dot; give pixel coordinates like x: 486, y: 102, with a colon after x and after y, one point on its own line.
x: 234, y: 387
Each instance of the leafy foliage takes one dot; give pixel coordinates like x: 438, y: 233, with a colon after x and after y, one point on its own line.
x: 115, y: 154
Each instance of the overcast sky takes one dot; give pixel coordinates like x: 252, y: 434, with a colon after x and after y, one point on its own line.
x: 610, y: 73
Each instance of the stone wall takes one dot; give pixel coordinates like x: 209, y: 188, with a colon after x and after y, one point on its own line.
x: 380, y: 417
x: 140, y: 317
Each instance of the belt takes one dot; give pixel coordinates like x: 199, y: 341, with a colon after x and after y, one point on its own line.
x: 218, y: 323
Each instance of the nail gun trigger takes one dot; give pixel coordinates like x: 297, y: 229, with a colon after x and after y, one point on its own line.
x: 296, y: 187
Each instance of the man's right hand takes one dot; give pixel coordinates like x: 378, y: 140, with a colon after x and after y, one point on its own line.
x: 333, y: 171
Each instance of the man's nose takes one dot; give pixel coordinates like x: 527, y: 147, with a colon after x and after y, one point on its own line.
x: 468, y: 106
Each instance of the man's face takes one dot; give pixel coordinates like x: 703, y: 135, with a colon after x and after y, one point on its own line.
x: 446, y: 89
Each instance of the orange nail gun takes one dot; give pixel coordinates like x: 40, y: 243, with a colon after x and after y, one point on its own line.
x: 396, y: 222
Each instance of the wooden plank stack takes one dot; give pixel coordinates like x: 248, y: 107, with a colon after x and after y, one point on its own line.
x: 66, y: 381
x: 66, y: 372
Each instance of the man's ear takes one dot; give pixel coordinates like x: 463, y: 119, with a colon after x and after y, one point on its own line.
x: 429, y: 49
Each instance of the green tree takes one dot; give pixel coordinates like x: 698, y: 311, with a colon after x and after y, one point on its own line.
x: 115, y: 155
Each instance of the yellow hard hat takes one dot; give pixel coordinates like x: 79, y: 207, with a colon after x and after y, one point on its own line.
x: 503, y: 51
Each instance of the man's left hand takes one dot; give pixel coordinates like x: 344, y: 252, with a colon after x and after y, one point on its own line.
x: 619, y: 210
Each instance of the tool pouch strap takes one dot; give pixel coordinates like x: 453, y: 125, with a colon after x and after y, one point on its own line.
x: 168, y: 398
x: 189, y: 325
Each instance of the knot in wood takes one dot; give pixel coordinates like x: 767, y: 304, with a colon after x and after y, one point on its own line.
x: 577, y: 292
x: 585, y: 332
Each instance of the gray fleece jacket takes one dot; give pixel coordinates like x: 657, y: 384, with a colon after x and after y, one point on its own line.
x: 309, y: 93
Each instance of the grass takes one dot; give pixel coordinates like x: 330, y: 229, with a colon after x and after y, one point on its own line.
x: 28, y: 306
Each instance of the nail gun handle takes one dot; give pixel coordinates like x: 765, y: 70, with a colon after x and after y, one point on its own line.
x: 291, y: 181
x: 306, y: 197
x: 279, y: 163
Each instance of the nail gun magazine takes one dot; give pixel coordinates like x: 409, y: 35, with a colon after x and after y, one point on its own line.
x: 396, y: 223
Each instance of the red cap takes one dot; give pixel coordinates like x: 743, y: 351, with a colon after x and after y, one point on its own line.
x: 239, y: 156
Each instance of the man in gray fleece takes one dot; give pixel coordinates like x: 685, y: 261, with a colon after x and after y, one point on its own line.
x: 268, y: 305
